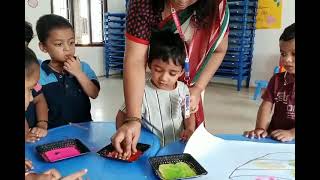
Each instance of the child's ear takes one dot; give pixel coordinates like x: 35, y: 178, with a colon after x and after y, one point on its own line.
x: 42, y: 47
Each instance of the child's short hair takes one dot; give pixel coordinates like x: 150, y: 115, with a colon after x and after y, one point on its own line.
x: 288, y: 33
x: 30, y: 59
x: 166, y: 45
x: 28, y: 32
x: 47, y: 23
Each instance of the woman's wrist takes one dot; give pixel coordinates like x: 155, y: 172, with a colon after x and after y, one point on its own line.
x: 198, y: 87
x: 131, y: 119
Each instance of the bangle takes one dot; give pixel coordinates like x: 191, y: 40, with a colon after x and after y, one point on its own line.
x: 129, y: 119
x: 39, y: 121
x: 260, y: 129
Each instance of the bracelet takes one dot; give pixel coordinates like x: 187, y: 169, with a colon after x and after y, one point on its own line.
x: 39, y: 121
x: 260, y: 129
x: 129, y: 119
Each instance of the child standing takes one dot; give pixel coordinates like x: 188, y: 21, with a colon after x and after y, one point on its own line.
x: 67, y: 82
x: 32, y: 73
x: 37, y: 112
x: 280, y: 93
x: 163, y: 100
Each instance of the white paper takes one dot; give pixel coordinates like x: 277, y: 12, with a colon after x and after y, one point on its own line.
x: 241, y: 160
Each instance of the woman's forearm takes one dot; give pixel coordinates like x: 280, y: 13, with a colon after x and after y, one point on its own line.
x: 134, y: 77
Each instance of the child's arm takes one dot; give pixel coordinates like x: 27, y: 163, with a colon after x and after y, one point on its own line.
x: 263, y: 119
x: 189, y: 127
x: 42, y: 116
x: 27, y: 165
x: 284, y: 135
x: 73, y: 66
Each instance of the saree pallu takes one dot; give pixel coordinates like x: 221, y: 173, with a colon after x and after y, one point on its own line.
x: 205, y: 42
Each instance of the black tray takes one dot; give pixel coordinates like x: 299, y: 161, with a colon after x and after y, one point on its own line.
x: 109, y: 148
x: 41, y: 149
x: 155, y: 162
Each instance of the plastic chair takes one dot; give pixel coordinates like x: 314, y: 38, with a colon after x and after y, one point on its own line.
x: 260, y: 84
x: 263, y: 83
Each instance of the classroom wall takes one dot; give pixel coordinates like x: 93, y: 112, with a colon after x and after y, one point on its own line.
x: 265, y: 54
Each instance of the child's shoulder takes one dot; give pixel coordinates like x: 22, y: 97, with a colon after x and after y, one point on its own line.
x: 278, y: 76
x: 276, y: 80
x: 182, y: 85
x: 88, y: 70
x: 84, y: 64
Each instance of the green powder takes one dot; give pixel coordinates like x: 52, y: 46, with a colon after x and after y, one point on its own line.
x: 174, y: 171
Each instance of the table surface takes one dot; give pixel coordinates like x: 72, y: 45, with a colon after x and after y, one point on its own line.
x: 178, y: 147
x: 95, y: 135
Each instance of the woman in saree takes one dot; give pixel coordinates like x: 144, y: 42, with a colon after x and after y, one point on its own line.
x: 202, y: 24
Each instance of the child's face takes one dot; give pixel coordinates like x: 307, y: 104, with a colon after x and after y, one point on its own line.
x: 287, y: 50
x: 29, y: 84
x: 60, y: 44
x: 165, y: 75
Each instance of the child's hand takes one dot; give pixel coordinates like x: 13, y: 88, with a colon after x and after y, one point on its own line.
x: 30, y: 137
x: 72, y: 65
x: 52, y: 174
x: 39, y: 132
x: 186, y: 134
x: 28, y: 165
x: 259, y: 133
x: 283, y: 135
x: 75, y: 176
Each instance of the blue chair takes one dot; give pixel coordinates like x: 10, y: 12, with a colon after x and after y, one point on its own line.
x: 263, y: 84
x: 260, y: 84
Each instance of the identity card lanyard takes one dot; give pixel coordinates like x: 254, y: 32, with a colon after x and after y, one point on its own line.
x: 186, y: 64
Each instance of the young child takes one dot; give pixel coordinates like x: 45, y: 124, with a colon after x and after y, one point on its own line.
x: 37, y: 112
x: 162, y: 107
x: 66, y: 81
x: 32, y: 73
x: 280, y: 93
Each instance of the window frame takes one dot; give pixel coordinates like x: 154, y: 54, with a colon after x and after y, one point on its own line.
x: 70, y: 14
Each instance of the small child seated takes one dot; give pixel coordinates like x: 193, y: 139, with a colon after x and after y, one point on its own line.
x: 37, y: 112
x: 280, y: 93
x: 163, y: 100
x: 32, y: 73
x: 66, y: 81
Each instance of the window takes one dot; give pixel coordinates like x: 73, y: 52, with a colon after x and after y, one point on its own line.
x: 86, y: 16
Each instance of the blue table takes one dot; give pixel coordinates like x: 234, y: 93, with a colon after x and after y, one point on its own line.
x: 95, y: 135
x: 178, y: 147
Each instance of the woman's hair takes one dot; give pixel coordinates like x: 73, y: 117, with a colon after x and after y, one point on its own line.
x: 166, y: 45
x: 206, y: 11
x: 30, y: 59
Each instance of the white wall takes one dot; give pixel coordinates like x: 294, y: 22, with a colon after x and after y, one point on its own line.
x: 92, y: 55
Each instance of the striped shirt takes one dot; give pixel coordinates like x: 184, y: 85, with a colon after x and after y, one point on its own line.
x: 162, y: 111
